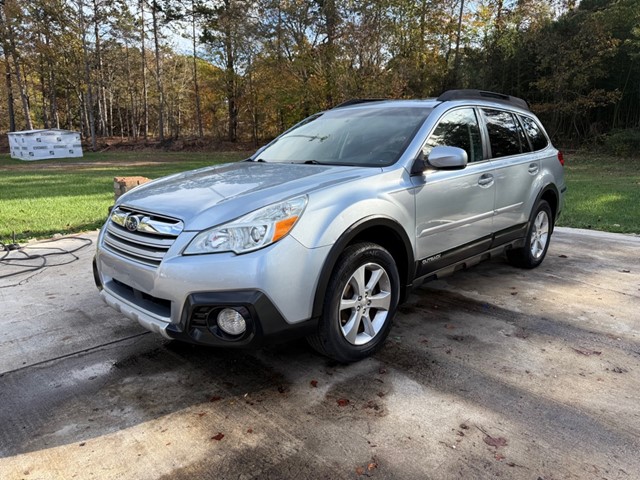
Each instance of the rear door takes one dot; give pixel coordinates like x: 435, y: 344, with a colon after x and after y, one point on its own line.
x: 515, y: 171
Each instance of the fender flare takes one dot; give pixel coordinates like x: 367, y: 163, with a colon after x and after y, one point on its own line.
x: 549, y: 188
x: 345, y: 239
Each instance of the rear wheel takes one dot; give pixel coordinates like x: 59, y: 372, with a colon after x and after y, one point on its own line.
x: 537, y: 241
x: 361, y: 300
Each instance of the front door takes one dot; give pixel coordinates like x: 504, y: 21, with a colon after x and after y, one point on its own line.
x: 454, y: 208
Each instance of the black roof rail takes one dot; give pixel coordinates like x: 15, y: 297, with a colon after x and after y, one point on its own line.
x: 356, y: 101
x: 471, y: 94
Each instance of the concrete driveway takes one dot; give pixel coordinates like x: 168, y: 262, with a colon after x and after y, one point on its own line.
x: 493, y: 372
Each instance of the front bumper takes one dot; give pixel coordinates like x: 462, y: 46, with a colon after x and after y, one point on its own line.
x: 273, y: 284
x: 265, y: 324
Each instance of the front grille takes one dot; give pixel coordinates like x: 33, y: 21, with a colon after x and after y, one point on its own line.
x: 146, y: 239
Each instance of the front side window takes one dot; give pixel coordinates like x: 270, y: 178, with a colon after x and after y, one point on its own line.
x: 373, y: 136
x: 535, y: 133
x: 458, y: 128
x: 503, y: 133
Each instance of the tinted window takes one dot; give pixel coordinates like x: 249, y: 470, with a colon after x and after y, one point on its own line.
x: 503, y: 133
x: 458, y: 128
x: 535, y: 133
x: 524, y: 143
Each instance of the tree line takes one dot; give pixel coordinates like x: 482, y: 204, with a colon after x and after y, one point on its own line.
x: 244, y: 70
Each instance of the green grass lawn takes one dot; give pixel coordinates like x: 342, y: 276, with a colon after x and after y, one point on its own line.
x: 603, y: 194
x: 39, y: 199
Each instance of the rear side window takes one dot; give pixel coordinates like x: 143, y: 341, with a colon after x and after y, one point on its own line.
x: 503, y: 133
x: 535, y: 133
x: 458, y: 128
x: 524, y: 143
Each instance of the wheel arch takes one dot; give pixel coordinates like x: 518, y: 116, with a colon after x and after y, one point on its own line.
x: 551, y: 196
x: 383, y: 231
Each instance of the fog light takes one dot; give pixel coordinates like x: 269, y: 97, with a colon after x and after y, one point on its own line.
x: 231, y: 321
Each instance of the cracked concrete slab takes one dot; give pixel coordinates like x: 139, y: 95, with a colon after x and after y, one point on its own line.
x: 491, y: 372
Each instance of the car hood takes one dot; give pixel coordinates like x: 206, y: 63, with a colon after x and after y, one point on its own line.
x: 209, y: 196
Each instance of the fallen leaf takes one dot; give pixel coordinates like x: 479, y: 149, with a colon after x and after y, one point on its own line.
x: 464, y: 426
x: 587, y: 353
x: 499, y: 457
x: 562, y: 256
x: 249, y: 430
x: 202, y: 414
x: 495, y: 441
x: 624, y: 270
x: 360, y: 471
x: 514, y: 293
x: 382, y: 370
x: 215, y: 398
x: 218, y: 437
x: 372, y: 466
x: 343, y: 402
x: 314, y: 383
x: 380, y: 394
x: 82, y: 444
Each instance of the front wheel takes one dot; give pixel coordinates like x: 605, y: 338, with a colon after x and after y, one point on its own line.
x: 360, y: 303
x: 537, y: 241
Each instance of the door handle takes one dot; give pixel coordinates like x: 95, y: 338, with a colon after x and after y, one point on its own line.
x: 485, y: 180
x: 534, y: 168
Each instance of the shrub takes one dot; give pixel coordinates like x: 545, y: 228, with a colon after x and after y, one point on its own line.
x: 623, y: 143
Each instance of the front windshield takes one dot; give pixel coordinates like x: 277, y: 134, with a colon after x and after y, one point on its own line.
x: 352, y: 136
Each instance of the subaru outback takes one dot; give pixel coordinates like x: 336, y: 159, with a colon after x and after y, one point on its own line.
x: 322, y: 232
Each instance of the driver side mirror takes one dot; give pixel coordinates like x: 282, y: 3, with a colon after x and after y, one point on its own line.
x: 444, y: 158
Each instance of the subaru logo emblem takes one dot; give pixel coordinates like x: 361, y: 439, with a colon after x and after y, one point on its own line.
x: 132, y: 222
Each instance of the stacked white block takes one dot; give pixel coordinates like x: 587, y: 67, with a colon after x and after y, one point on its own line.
x: 42, y: 144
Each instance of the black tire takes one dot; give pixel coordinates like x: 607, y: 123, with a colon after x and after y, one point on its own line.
x: 350, y: 333
x: 536, y: 244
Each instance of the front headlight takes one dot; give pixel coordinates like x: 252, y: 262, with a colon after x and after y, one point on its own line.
x: 255, y: 230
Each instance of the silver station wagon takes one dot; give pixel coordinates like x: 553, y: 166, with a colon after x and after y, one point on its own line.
x: 322, y: 232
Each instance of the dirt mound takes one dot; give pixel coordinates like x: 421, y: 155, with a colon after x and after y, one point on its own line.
x: 182, y: 144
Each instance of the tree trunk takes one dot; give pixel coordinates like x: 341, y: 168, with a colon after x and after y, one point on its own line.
x: 456, y: 64
x: 145, y: 93
x: 156, y: 41
x: 132, y: 117
x: 9, y: 46
x: 230, y: 76
x: 331, y: 19
x: 43, y: 90
x: 10, y: 110
x: 53, y: 97
x: 195, y: 71
x: 87, y: 78
x: 101, y: 95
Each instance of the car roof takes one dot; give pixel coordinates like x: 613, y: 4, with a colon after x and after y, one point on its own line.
x: 457, y: 97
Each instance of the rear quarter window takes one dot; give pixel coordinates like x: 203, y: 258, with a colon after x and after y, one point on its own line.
x: 534, y: 132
